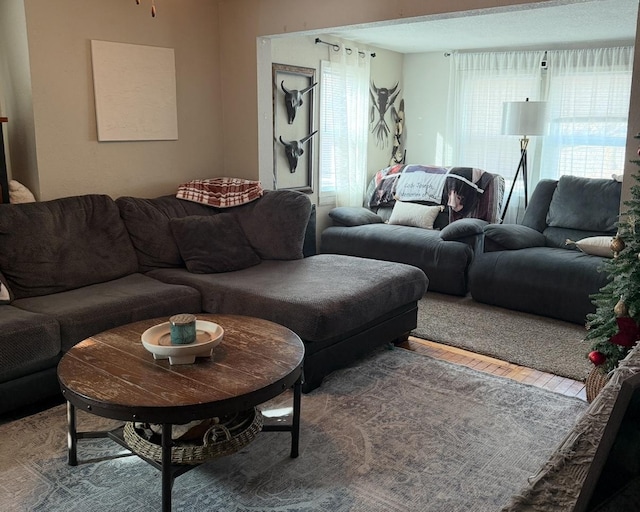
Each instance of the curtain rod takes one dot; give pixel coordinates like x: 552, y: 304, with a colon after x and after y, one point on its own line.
x: 336, y: 47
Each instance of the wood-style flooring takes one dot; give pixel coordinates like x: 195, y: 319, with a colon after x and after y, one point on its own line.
x: 562, y: 385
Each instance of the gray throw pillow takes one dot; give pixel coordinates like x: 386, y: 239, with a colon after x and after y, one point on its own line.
x: 585, y: 203
x: 276, y: 223
x: 212, y: 244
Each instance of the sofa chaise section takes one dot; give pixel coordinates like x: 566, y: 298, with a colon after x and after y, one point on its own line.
x: 341, y: 306
x: 29, y: 352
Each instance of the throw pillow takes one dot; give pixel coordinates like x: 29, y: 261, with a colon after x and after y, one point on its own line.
x: 212, y: 244
x: 413, y: 214
x: 276, y: 224
x: 354, y: 216
x: 5, y: 293
x: 220, y: 192
x: 595, y: 245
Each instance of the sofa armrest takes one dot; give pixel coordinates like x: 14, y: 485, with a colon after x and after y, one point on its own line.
x: 353, y: 216
x: 462, y: 229
x: 500, y: 237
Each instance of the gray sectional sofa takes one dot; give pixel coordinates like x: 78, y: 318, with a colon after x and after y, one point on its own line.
x: 76, y: 266
x: 530, y: 266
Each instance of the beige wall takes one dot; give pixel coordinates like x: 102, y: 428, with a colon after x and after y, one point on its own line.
x: 70, y: 160
x: 15, y: 94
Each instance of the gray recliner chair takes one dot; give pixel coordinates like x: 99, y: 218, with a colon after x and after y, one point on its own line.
x: 530, y: 266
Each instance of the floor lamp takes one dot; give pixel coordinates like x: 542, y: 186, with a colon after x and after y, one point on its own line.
x: 523, y: 118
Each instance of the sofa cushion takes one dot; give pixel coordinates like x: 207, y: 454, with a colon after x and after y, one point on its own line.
x: 28, y: 342
x: 414, y: 214
x: 319, y: 298
x: 585, y: 204
x: 53, y: 246
x: 545, y: 281
x: 86, y: 311
x: 354, y: 216
x: 513, y: 236
x: 147, y: 221
x: 276, y: 224
x: 212, y: 243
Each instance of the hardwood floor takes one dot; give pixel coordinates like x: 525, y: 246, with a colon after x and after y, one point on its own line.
x: 562, y: 385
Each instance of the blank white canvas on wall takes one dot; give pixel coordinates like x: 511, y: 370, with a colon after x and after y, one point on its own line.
x: 135, y: 91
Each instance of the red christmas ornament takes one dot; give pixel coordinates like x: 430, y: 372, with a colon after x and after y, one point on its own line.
x: 597, y: 358
x: 628, y: 334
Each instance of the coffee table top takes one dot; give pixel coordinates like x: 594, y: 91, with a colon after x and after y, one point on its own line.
x: 111, y: 374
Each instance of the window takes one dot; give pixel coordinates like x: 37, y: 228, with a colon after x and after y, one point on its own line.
x: 588, y: 95
x: 343, y: 134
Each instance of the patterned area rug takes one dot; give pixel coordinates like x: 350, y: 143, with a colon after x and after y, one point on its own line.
x: 397, y: 431
x: 534, y: 341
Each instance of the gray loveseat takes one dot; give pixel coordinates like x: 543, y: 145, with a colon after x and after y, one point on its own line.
x: 443, y: 252
x: 530, y: 266
x: 80, y: 265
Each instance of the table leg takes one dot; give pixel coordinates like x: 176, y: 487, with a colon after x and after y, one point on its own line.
x: 167, y: 478
x: 295, y: 421
x: 72, y: 435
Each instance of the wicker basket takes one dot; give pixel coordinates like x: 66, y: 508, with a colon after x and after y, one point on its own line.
x: 219, y: 440
x: 596, y: 380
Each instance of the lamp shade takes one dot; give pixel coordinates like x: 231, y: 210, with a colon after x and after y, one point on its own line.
x: 524, y: 118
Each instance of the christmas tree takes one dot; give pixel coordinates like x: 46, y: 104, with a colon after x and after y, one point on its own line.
x: 614, y: 327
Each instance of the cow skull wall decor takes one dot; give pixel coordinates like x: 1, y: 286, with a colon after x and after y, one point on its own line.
x: 293, y: 100
x: 294, y: 150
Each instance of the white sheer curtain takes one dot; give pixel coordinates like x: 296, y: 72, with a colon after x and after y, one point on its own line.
x: 587, y: 92
x: 344, y: 101
x: 480, y: 84
x: 588, y: 102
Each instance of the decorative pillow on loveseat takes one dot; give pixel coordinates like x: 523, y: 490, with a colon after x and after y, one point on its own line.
x: 5, y: 293
x: 414, y: 214
x: 212, y: 244
x: 595, y: 246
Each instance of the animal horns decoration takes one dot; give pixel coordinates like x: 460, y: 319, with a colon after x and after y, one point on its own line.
x: 294, y: 150
x: 293, y: 100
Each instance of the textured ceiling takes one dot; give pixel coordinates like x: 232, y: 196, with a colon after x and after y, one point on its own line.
x: 564, y: 24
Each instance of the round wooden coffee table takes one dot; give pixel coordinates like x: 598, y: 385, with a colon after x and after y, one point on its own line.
x: 112, y: 375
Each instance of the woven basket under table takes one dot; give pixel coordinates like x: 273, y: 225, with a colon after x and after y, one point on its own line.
x: 595, y: 381
x: 219, y: 440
